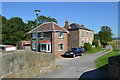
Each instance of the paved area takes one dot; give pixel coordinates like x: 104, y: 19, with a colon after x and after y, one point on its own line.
x: 74, y: 68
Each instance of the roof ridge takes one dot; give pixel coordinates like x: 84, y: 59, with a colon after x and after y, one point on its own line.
x: 62, y: 28
x: 35, y: 28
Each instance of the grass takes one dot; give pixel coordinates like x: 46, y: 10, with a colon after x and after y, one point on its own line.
x: 94, y: 50
x: 102, y: 62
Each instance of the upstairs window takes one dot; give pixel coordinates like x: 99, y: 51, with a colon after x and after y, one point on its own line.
x: 86, y: 34
x: 42, y: 35
x: 82, y: 33
x: 60, y: 47
x: 91, y: 34
x: 60, y: 34
x: 33, y: 36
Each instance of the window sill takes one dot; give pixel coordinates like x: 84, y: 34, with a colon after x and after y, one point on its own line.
x: 60, y: 50
x: 60, y: 37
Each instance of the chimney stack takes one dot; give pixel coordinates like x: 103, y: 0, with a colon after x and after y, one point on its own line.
x: 82, y: 25
x: 67, y: 25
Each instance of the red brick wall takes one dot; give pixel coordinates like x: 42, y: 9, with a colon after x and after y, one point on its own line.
x: 73, y: 38
x: 56, y: 41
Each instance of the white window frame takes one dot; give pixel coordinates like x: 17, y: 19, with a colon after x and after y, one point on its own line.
x: 41, y: 35
x: 47, y: 45
x: 60, y: 35
x: 33, y: 46
x: 87, y: 34
x: 82, y: 43
x: 91, y: 34
x: 62, y: 47
x: 33, y: 36
x: 83, y: 33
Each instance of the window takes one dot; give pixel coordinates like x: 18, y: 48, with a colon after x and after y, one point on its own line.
x: 33, y: 36
x: 60, y: 35
x: 82, y: 33
x: 42, y: 35
x: 45, y: 47
x: 60, y: 47
x: 86, y: 34
x: 91, y: 34
x: 33, y: 46
x: 82, y: 43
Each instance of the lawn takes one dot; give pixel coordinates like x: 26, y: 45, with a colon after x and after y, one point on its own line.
x: 94, y: 50
x: 102, y: 62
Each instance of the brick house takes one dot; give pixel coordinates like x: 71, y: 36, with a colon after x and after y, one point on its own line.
x: 53, y: 38
x: 78, y: 35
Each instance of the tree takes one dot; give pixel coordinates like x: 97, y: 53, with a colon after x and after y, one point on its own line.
x: 13, y: 30
x: 105, y: 34
x: 96, y: 43
x: 44, y: 19
x: 96, y: 37
x: 41, y: 19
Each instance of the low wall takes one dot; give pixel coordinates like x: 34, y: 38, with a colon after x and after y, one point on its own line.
x: 25, y: 64
x: 114, y: 67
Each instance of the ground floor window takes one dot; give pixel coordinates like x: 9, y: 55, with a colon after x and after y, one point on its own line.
x: 45, y: 47
x: 60, y: 47
x: 33, y: 46
x: 82, y: 43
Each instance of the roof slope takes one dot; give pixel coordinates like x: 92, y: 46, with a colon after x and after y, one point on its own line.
x: 51, y: 26
x: 77, y: 26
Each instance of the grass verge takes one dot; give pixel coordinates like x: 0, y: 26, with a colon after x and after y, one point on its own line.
x: 102, y: 62
x: 94, y: 50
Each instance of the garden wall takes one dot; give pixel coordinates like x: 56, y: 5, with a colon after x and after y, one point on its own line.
x: 25, y: 64
x: 114, y: 67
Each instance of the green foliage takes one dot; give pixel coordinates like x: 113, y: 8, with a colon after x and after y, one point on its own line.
x: 96, y: 37
x: 44, y: 19
x: 94, y: 50
x: 96, y: 43
x: 13, y: 30
x: 105, y: 34
x: 87, y: 46
x: 114, y: 44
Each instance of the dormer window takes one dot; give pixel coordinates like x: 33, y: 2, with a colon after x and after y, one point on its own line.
x: 60, y: 34
x: 42, y: 35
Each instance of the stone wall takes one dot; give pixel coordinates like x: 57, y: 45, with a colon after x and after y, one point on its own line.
x: 25, y: 64
x: 114, y: 67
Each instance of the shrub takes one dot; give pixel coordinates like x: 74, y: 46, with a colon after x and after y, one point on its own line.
x: 96, y: 43
x: 87, y: 46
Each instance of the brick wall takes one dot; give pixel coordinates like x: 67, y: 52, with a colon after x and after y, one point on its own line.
x: 57, y: 40
x: 73, y: 38
x: 25, y: 64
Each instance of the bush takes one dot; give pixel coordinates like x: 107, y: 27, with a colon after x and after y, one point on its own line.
x: 88, y: 46
x: 96, y: 43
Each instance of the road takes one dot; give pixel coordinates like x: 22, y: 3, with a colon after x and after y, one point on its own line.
x: 74, y: 68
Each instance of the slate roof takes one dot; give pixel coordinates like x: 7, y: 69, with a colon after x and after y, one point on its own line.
x: 51, y: 26
x: 77, y: 26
